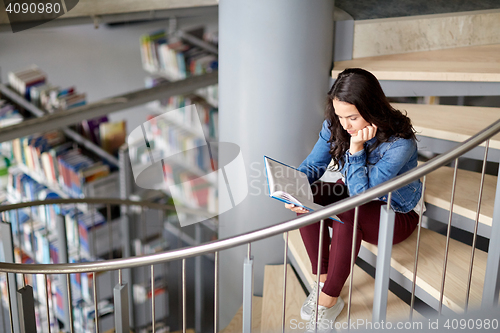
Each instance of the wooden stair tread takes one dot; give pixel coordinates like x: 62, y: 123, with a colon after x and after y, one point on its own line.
x: 470, y: 64
x: 455, y: 123
x: 438, y: 193
x: 272, y: 306
x: 363, y: 288
x: 430, y: 267
x: 236, y: 324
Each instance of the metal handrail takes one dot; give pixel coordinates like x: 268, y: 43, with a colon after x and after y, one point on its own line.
x: 103, y: 201
x: 226, y: 243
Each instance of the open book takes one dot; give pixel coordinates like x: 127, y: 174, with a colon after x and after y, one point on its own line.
x: 290, y: 185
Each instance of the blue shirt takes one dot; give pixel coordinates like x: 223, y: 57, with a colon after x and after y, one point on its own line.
x: 363, y: 170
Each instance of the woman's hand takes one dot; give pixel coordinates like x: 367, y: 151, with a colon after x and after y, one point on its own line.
x: 296, y: 209
x: 358, y: 139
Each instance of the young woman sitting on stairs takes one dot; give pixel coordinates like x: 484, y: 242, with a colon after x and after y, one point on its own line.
x: 370, y: 142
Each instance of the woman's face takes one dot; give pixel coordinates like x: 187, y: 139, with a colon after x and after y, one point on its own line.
x: 349, y: 117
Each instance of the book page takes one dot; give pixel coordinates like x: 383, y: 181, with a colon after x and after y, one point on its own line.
x: 285, y: 179
x: 287, y: 197
x: 290, y: 185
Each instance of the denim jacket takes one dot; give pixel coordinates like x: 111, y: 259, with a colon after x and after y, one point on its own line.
x: 363, y: 170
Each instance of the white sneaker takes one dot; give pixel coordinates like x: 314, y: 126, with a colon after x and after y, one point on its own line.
x: 326, y: 317
x: 310, y: 302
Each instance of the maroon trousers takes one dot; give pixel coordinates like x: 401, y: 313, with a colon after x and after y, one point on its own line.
x: 336, y: 259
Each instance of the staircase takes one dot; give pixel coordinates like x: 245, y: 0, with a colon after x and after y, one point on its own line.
x: 455, y: 66
x: 466, y: 69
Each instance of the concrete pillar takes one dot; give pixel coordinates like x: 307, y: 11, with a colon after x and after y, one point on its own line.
x: 275, y: 58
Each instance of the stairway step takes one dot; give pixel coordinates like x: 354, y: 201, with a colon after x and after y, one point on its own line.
x: 272, y: 306
x: 438, y: 193
x: 466, y: 64
x: 451, y: 28
x: 455, y: 123
x: 363, y: 287
x: 430, y: 267
x: 236, y: 324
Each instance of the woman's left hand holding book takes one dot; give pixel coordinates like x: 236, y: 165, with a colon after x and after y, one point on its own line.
x: 296, y: 209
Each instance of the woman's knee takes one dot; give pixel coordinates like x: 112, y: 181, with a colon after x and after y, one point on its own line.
x: 327, y: 193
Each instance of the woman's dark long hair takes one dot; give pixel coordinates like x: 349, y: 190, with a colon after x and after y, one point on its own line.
x: 361, y: 88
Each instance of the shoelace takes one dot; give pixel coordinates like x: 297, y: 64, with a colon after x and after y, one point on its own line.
x: 321, y: 313
x: 312, y: 322
x: 312, y: 296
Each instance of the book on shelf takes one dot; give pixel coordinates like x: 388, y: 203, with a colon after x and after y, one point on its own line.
x: 79, y: 230
x: 177, y: 110
x: 21, y: 257
x: 290, y: 185
x: 17, y: 218
x: 151, y: 245
x: 50, y: 161
x: 175, y: 57
x: 104, y: 307
x: 58, y: 298
x: 94, y: 172
x: 173, y: 144
x: 72, y: 166
x: 9, y: 115
x: 196, y: 190
x: 90, y: 128
x: 58, y: 163
x: 211, y: 37
x: 142, y: 291
x: 39, y: 93
x: 190, y: 190
x: 32, y: 84
x: 149, y: 48
x: 70, y: 101
x: 22, y: 81
x: 112, y: 135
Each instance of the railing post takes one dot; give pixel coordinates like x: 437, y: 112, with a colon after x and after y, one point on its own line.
x: 125, y: 189
x: 247, y: 292
x: 27, y: 309
x: 198, y: 285
x: 62, y: 246
x: 216, y: 292
x: 120, y: 293
x: 383, y: 269
x: 8, y: 252
x: 492, y: 274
